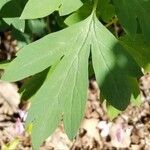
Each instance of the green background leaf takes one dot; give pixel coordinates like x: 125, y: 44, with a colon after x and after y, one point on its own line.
x: 139, y: 49
x: 105, y: 10
x: 12, y: 17
x: 33, y: 9
x: 79, y: 15
x: 32, y: 85
x: 39, y: 9
x: 16, y: 22
x: 70, y: 6
x: 129, y: 11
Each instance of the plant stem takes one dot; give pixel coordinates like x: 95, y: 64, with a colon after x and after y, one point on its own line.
x: 95, y: 5
x: 111, y: 22
x: 48, y: 24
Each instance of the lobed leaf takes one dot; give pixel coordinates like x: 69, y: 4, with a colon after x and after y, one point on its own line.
x: 64, y: 90
x: 112, y: 66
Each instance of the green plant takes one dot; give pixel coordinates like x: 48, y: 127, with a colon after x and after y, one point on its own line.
x: 59, y: 61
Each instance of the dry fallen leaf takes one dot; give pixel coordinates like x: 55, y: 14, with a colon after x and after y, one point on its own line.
x: 90, y: 125
x: 9, y: 98
x: 120, y: 135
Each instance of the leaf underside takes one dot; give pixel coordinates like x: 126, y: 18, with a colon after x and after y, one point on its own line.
x: 64, y: 90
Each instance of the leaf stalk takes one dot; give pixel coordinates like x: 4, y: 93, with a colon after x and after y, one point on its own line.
x: 95, y: 5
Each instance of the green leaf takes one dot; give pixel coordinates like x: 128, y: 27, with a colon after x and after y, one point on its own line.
x: 135, y: 97
x: 3, y: 25
x: 69, y: 6
x: 64, y: 90
x: 139, y: 49
x: 22, y: 38
x: 4, y: 64
x: 79, y: 15
x: 36, y: 27
x: 129, y: 11
x: 12, y: 17
x: 112, y: 66
x: 7, y: 5
x: 45, y: 115
x: 32, y: 85
x: 33, y: 9
x: 112, y: 112
x: 38, y: 56
x: 3, y: 2
x: 105, y: 10
x: 16, y: 22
